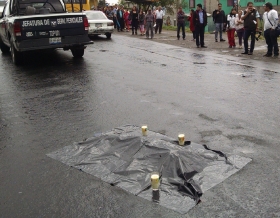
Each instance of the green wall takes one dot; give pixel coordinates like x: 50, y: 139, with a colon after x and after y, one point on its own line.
x: 243, y: 3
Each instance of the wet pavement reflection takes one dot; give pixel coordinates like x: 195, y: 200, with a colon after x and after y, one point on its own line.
x: 53, y: 100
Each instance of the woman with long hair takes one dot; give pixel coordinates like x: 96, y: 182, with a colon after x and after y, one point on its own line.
x: 141, y: 22
x: 134, y: 20
x: 190, y: 19
x: 231, y: 28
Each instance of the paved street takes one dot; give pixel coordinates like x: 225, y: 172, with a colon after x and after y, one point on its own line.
x: 225, y: 101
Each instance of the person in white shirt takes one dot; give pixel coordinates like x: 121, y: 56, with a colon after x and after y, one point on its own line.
x: 159, y: 20
x: 231, y: 28
x: 239, y: 27
x: 270, y: 18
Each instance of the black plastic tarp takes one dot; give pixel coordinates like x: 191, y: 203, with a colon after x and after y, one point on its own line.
x: 125, y: 158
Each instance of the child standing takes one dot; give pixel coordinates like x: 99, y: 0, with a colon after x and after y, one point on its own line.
x: 231, y: 28
x: 239, y: 25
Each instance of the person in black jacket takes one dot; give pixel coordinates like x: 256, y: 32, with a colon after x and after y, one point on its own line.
x: 181, y: 23
x: 220, y: 20
x: 200, y: 21
x: 250, y: 27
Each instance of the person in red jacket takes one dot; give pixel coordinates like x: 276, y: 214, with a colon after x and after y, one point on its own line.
x: 190, y: 19
x: 126, y: 20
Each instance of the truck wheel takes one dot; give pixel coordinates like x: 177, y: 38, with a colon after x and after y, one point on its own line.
x: 16, y: 56
x: 108, y: 35
x: 5, y: 49
x: 78, y: 52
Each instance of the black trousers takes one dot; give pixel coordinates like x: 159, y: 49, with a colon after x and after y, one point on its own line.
x: 115, y: 22
x: 271, y: 41
x: 199, y: 34
x: 159, y: 23
x: 134, y: 25
x: 247, y: 34
x: 179, y: 26
x: 121, y: 24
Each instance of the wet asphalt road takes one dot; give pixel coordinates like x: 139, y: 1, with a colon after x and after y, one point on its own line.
x: 54, y: 100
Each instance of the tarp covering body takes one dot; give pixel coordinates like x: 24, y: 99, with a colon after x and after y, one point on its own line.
x: 125, y: 158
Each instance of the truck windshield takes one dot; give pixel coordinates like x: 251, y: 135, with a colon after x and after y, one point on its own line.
x: 53, y: 6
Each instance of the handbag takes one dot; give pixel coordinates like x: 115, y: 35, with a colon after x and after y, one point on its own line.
x: 277, y: 29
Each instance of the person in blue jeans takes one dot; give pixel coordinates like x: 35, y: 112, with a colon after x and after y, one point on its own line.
x: 181, y: 23
x: 250, y: 27
x: 220, y: 20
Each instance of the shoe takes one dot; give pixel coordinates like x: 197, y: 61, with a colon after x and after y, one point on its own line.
x: 276, y: 55
x: 203, y: 46
x: 184, y: 39
x: 250, y: 53
x: 135, y: 33
x: 230, y: 46
x: 197, y: 46
x: 268, y: 55
x: 178, y: 38
x: 216, y: 40
x: 240, y: 46
x: 222, y: 40
x: 244, y: 53
x: 155, y: 32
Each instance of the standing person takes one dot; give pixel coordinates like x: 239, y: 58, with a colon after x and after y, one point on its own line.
x: 126, y: 20
x: 141, y: 22
x: 239, y: 26
x: 219, y: 19
x: 134, y: 20
x: 181, y: 23
x: 109, y: 13
x: 159, y: 20
x: 115, y: 15
x: 231, y: 28
x: 250, y: 27
x: 200, y: 21
x: 149, y: 23
x: 120, y: 19
x: 190, y: 19
x: 270, y: 18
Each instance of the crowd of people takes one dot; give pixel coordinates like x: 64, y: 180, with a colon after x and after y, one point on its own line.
x: 244, y: 24
x: 135, y: 19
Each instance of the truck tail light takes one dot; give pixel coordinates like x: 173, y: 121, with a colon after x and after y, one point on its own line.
x: 110, y: 24
x: 86, y: 24
x: 17, y: 28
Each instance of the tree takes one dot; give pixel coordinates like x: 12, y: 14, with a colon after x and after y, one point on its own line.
x: 102, y: 4
x: 169, y: 5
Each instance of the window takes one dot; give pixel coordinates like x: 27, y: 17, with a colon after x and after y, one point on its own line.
x: 192, y: 3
